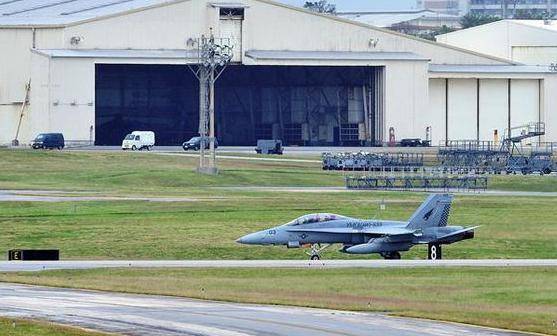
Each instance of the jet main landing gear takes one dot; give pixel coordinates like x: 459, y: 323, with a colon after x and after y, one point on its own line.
x: 316, y: 249
x: 391, y: 255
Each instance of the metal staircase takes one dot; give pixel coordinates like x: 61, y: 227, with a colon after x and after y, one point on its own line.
x: 508, y: 156
x: 539, y: 158
x: 519, y: 133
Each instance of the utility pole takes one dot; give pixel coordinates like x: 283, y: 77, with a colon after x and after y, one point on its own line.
x: 15, y: 141
x: 213, y: 57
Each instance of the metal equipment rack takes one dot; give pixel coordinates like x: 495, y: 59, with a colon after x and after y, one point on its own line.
x: 472, y: 155
x: 538, y: 159
x: 426, y: 181
x: 509, y: 156
x: 363, y: 161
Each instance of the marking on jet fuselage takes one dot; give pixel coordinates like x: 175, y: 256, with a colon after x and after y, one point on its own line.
x: 361, y: 225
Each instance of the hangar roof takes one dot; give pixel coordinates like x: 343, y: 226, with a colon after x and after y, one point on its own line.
x: 333, y: 55
x: 547, y: 26
x: 543, y: 24
x: 119, y: 53
x: 254, y: 54
x: 492, y: 69
x: 390, y: 18
x: 62, y: 12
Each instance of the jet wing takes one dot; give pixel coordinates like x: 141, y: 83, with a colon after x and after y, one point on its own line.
x: 456, y: 233
x: 389, y: 231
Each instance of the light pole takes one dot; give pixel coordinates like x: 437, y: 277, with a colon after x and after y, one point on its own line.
x: 214, y: 54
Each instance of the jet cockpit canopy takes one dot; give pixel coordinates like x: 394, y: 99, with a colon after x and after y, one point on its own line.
x: 315, y: 218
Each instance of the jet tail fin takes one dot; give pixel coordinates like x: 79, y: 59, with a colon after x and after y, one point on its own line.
x: 434, y: 212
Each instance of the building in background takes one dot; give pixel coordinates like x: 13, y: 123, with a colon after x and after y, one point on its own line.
x: 512, y: 8
x: 102, y: 68
x: 413, y: 22
x: 500, y: 8
x: 531, y: 42
x: 451, y: 7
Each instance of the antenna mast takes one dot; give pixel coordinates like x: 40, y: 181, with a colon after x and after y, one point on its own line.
x: 213, y: 54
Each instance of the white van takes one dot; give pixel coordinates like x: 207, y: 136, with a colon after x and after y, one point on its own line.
x: 139, y: 140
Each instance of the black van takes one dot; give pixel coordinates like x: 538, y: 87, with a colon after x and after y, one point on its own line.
x: 48, y: 141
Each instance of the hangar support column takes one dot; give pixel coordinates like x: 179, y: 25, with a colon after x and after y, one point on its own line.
x: 379, y: 105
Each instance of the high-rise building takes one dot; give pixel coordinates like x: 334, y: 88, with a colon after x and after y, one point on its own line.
x: 453, y: 7
x: 501, y: 8
x: 510, y: 8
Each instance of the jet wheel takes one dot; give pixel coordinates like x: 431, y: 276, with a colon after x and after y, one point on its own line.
x: 392, y: 255
x: 315, y: 257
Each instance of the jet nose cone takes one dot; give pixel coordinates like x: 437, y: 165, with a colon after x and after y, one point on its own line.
x: 251, y: 239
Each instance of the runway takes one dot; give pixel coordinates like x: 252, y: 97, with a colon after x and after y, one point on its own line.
x: 497, y: 193
x: 30, y: 266
x: 245, y: 158
x: 54, y: 196
x: 87, y: 196
x: 292, y: 150
x: 159, y: 315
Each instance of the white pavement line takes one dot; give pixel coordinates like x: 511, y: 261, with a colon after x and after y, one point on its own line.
x: 186, y: 327
x: 29, y: 266
x: 245, y: 158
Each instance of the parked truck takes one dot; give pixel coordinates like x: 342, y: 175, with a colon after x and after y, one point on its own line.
x: 139, y: 140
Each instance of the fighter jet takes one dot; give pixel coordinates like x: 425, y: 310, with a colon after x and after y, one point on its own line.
x: 428, y: 225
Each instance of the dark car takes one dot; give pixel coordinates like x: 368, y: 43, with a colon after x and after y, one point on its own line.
x: 48, y: 141
x: 195, y: 144
x: 413, y: 143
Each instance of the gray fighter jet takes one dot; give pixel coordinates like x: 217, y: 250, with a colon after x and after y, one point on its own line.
x: 428, y: 225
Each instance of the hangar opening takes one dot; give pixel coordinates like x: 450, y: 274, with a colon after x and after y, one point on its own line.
x: 301, y: 105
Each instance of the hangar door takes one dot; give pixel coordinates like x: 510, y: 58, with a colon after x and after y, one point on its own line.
x: 159, y: 98
x: 476, y: 109
x: 297, y: 104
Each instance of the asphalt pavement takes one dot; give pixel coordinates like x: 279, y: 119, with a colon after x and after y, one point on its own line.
x: 72, y: 196
x: 288, y: 150
x: 158, y: 315
x: 30, y: 266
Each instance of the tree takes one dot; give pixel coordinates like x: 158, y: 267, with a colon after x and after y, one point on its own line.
x: 472, y: 20
x: 526, y: 14
x: 321, y: 6
x: 438, y: 31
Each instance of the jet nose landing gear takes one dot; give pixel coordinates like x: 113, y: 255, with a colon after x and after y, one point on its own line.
x: 315, y: 252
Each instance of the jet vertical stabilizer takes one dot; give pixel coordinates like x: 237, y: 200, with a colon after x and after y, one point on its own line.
x: 434, y: 212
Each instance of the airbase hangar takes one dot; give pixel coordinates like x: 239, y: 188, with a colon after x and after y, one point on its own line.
x: 99, y: 69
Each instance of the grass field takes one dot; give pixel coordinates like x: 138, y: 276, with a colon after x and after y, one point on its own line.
x: 511, y: 228
x: 521, y: 299
x: 146, y: 173
x: 219, y: 210
x: 206, y: 227
x: 153, y: 174
x: 15, y: 327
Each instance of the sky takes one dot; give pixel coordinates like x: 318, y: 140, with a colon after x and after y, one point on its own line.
x: 362, y: 5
